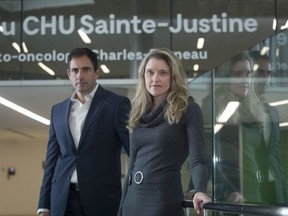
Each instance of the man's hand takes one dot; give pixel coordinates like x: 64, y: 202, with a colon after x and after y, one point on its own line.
x: 235, y: 197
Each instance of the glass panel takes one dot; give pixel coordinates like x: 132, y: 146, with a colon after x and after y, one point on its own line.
x: 248, y: 129
x: 10, y: 37
x: 123, y: 31
x: 227, y: 28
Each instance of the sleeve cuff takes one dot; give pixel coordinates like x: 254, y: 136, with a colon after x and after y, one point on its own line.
x: 42, y: 210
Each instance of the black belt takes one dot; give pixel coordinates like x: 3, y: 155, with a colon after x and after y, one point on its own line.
x: 74, y: 186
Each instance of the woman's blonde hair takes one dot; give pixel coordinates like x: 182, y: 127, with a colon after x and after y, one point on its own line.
x: 250, y: 109
x: 178, y: 94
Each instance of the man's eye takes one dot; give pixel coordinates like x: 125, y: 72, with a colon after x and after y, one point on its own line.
x: 86, y: 70
x: 248, y: 74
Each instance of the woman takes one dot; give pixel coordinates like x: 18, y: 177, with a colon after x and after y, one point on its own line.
x: 240, y: 147
x: 165, y: 127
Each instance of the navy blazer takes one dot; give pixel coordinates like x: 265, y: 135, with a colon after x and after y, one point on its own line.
x: 274, y: 157
x: 97, y: 158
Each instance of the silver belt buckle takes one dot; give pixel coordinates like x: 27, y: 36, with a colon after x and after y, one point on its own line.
x: 259, y: 176
x: 141, y: 177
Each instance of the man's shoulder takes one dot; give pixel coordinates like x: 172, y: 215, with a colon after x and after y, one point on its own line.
x: 65, y: 101
x: 113, y: 95
x: 62, y: 103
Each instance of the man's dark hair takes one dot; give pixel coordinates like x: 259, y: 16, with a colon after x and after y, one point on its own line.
x: 78, y: 52
x: 256, y: 55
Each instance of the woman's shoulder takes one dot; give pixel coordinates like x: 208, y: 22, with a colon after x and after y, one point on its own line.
x: 192, y: 104
x: 193, y: 109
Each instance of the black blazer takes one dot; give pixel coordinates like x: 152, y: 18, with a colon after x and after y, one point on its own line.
x: 258, y: 155
x: 274, y: 158
x: 97, y: 158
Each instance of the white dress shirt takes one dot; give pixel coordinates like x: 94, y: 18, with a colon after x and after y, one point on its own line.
x: 77, y: 116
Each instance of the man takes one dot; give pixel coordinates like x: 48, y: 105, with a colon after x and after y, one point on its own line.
x: 82, y: 176
x: 262, y: 73
x: 273, y: 185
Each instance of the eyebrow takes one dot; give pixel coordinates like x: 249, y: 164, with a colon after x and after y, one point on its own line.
x: 86, y: 67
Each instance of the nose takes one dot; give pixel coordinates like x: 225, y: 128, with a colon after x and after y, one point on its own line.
x: 81, y: 72
x: 155, y: 77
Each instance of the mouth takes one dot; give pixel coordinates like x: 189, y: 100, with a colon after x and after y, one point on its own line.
x: 153, y: 86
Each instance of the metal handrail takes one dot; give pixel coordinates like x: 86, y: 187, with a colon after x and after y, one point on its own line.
x: 255, y: 209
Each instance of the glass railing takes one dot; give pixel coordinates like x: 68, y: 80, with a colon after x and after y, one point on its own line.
x: 236, y: 209
x: 244, y: 104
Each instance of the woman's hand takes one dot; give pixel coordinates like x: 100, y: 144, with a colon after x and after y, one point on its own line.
x: 198, y: 200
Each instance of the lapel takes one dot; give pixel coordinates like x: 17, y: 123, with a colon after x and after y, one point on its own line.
x: 272, y: 112
x: 92, y: 113
x: 66, y: 110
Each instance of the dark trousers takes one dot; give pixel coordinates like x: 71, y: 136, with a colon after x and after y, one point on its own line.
x: 74, y: 206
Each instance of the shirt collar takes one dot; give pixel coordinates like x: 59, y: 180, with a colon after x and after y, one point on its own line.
x: 87, y: 97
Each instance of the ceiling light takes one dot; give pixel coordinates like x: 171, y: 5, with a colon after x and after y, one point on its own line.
x: 104, y: 68
x: 200, y: 43
x: 196, y: 67
x: 278, y: 103
x: 84, y: 36
x: 264, y: 50
x: 284, y: 26
x: 217, y: 128
x: 283, y: 124
x: 24, y: 47
x: 47, y: 69
x: 228, y: 112
x: 255, y: 67
x: 16, y: 46
x: 277, y: 52
x: 274, y: 24
x: 24, y: 111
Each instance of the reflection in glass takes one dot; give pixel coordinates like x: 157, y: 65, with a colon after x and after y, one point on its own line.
x: 249, y: 161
